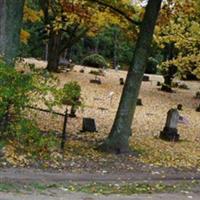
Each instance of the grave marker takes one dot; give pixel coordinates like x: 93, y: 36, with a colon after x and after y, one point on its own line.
x: 89, y: 125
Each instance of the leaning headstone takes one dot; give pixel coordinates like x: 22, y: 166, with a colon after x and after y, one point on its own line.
x: 145, y: 78
x: 121, y: 81
x: 89, y: 125
x: 170, y: 132
x: 139, y: 102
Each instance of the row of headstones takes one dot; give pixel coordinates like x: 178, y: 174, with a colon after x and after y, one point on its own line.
x: 169, y: 132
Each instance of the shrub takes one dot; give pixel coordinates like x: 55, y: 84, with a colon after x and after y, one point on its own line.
x: 95, y: 60
x: 17, y: 91
x: 70, y: 94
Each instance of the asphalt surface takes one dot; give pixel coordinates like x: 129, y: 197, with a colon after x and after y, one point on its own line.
x: 81, y: 196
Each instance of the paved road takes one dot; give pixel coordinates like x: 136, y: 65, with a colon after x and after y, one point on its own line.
x: 80, y: 196
x: 33, y: 175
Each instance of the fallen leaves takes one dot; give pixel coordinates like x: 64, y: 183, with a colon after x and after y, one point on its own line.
x: 184, y: 154
x: 80, y: 152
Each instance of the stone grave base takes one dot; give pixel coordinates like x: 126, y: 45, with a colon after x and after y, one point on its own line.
x: 169, y: 134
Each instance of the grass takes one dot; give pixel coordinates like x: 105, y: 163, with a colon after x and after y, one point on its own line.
x: 129, y: 189
x: 6, y: 187
x: 102, y: 188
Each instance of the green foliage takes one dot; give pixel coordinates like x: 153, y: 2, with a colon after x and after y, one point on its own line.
x: 17, y: 91
x: 14, y: 90
x: 178, y: 37
x: 70, y: 94
x: 95, y: 60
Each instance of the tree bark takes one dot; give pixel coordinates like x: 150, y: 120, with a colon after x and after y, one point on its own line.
x: 118, y: 139
x: 11, y: 13
x: 54, y: 51
x: 171, y: 71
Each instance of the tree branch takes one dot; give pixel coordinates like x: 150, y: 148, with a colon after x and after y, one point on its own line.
x: 137, y: 23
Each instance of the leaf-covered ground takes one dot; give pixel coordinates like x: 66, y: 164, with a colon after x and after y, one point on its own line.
x: 80, y: 152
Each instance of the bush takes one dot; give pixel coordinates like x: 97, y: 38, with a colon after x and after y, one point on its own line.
x: 17, y: 91
x: 95, y: 60
x: 70, y: 94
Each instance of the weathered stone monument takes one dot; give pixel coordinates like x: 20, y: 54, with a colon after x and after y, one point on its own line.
x: 89, y: 125
x: 170, y: 132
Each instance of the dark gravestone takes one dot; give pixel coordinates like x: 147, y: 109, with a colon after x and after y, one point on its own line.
x: 121, y: 81
x: 145, y: 78
x: 139, y: 102
x: 97, y: 80
x: 82, y: 71
x: 197, y: 96
x: 170, y: 132
x: 159, y: 83
x: 89, y: 125
x: 198, y: 108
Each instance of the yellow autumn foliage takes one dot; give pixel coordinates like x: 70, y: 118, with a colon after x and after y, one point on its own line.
x: 24, y: 36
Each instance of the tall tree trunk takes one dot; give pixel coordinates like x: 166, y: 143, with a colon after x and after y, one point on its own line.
x: 115, y: 49
x: 118, y: 139
x: 171, y: 71
x: 68, y: 53
x: 2, y: 26
x: 54, y: 46
x: 11, y: 13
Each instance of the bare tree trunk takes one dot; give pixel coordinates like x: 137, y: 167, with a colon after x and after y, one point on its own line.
x: 2, y: 26
x: 11, y: 13
x: 54, y: 51
x: 118, y: 139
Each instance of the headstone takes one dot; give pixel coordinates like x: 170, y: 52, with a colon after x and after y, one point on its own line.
x: 159, y: 83
x: 183, y: 86
x: 97, y: 80
x: 110, y: 96
x: 198, y: 108
x: 197, y: 96
x: 170, y: 132
x: 82, y: 71
x: 89, y: 125
x: 121, y: 81
x: 145, y: 78
x: 139, y: 102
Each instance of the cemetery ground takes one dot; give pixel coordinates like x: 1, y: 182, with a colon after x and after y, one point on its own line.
x: 159, y: 166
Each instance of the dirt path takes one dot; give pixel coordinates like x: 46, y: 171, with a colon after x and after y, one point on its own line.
x: 36, y: 175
